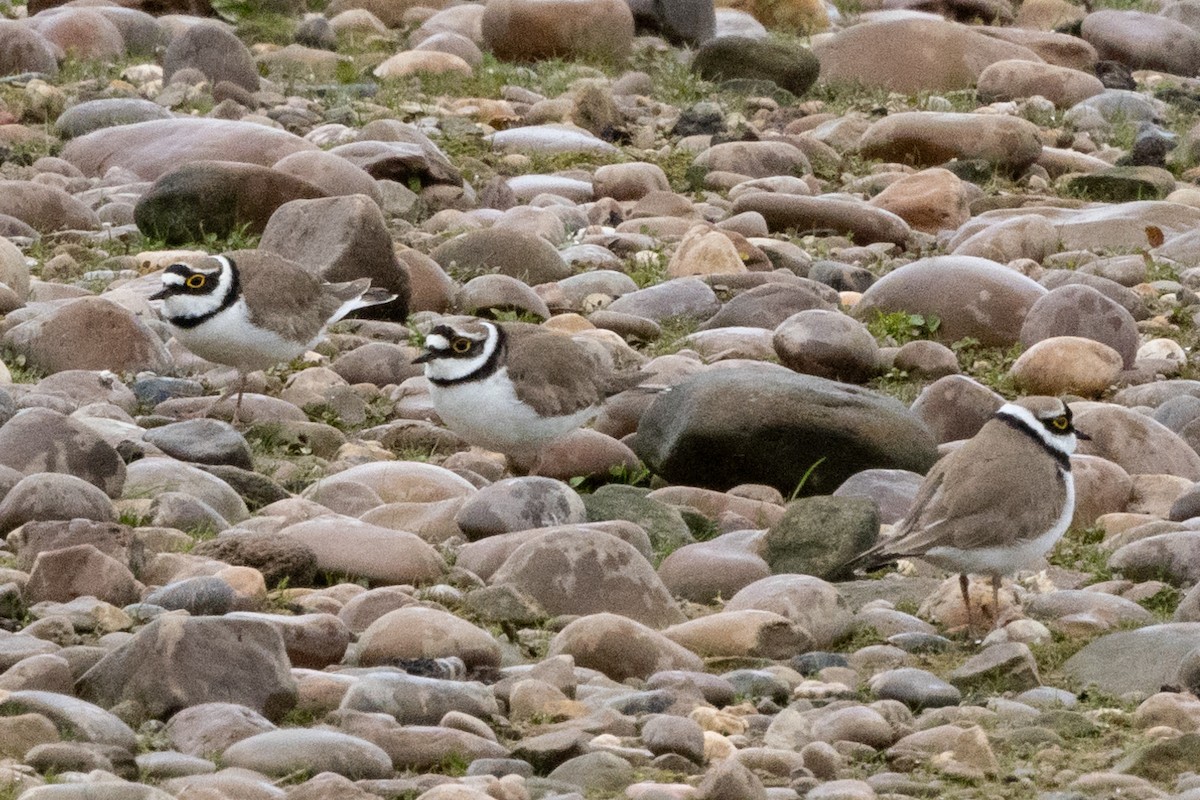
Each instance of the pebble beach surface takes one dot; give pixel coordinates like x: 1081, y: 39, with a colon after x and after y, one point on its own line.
x: 835, y: 238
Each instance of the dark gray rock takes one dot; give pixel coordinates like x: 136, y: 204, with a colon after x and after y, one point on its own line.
x: 204, y: 441
x: 92, y: 115
x: 580, y: 571
x: 892, y: 491
x: 760, y: 425
x: 216, y: 197
x: 843, y: 277
x: 519, y: 504
x: 514, y: 253
x: 415, y: 700
x: 601, y: 772
x: 916, y: 688
x: 956, y: 407
x: 790, y: 66
x: 199, y: 596
x: 766, y: 306
x: 216, y: 52
x: 1171, y: 557
x: 1000, y: 667
x: 46, y: 496
x: 670, y: 734
x: 690, y: 22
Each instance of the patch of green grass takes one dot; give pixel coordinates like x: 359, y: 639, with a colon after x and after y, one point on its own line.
x: 621, y: 474
x: 1125, y: 5
x: 843, y: 98
x: 682, y: 174
x: 516, y: 315
x: 1160, y: 270
x: 242, y: 238
x: 702, y: 528
x: 453, y: 764
x: 133, y: 519
x: 671, y: 340
x: 269, y: 439
x: 1051, y: 655
x: 648, y: 268
x: 900, y: 327
x: 898, y: 384
x: 988, y: 365
x: 804, y: 478
x: 267, y: 27
x: 300, y: 718
x: 1080, y: 550
x: 673, y: 82
x: 20, y: 369
x: 75, y: 71
x: 1162, y: 604
x: 863, y: 636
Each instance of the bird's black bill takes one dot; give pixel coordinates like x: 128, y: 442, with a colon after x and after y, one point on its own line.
x: 424, y: 357
x: 159, y: 295
x: 1081, y: 436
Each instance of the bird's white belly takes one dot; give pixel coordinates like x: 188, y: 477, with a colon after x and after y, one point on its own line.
x: 1005, y: 560
x: 487, y: 413
x: 230, y: 338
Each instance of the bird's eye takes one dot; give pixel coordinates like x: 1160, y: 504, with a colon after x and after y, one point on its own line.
x: 195, y: 282
x: 461, y: 345
x: 1060, y: 423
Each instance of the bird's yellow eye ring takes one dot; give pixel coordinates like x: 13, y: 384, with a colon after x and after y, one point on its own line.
x: 195, y: 281
x: 460, y: 345
x: 1061, y: 423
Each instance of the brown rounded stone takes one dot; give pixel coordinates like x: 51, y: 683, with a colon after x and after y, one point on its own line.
x: 621, y: 648
x: 912, y: 55
x: 531, y: 30
x: 929, y: 201
x: 969, y: 296
x: 1015, y: 79
x: 1078, y: 310
x: 930, y: 138
x: 1143, y: 41
x: 1067, y: 364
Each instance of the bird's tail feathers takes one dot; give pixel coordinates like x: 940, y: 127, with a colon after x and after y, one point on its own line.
x: 357, y: 295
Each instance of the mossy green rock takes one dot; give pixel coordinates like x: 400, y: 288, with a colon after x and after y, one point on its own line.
x: 726, y: 58
x: 1123, y: 184
x: 818, y: 535
x: 664, y: 524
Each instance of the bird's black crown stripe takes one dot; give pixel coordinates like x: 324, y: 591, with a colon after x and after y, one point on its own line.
x: 1062, y: 458
x: 231, y: 297
x: 486, y: 370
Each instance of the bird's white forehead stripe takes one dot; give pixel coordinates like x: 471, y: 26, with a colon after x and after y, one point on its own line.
x: 436, y: 341
x: 172, y: 279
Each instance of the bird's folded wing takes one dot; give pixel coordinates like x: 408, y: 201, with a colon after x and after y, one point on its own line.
x: 999, y: 497
x: 556, y: 376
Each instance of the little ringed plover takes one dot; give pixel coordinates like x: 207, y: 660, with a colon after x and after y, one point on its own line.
x: 251, y: 310
x: 513, y: 388
x: 996, y: 503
